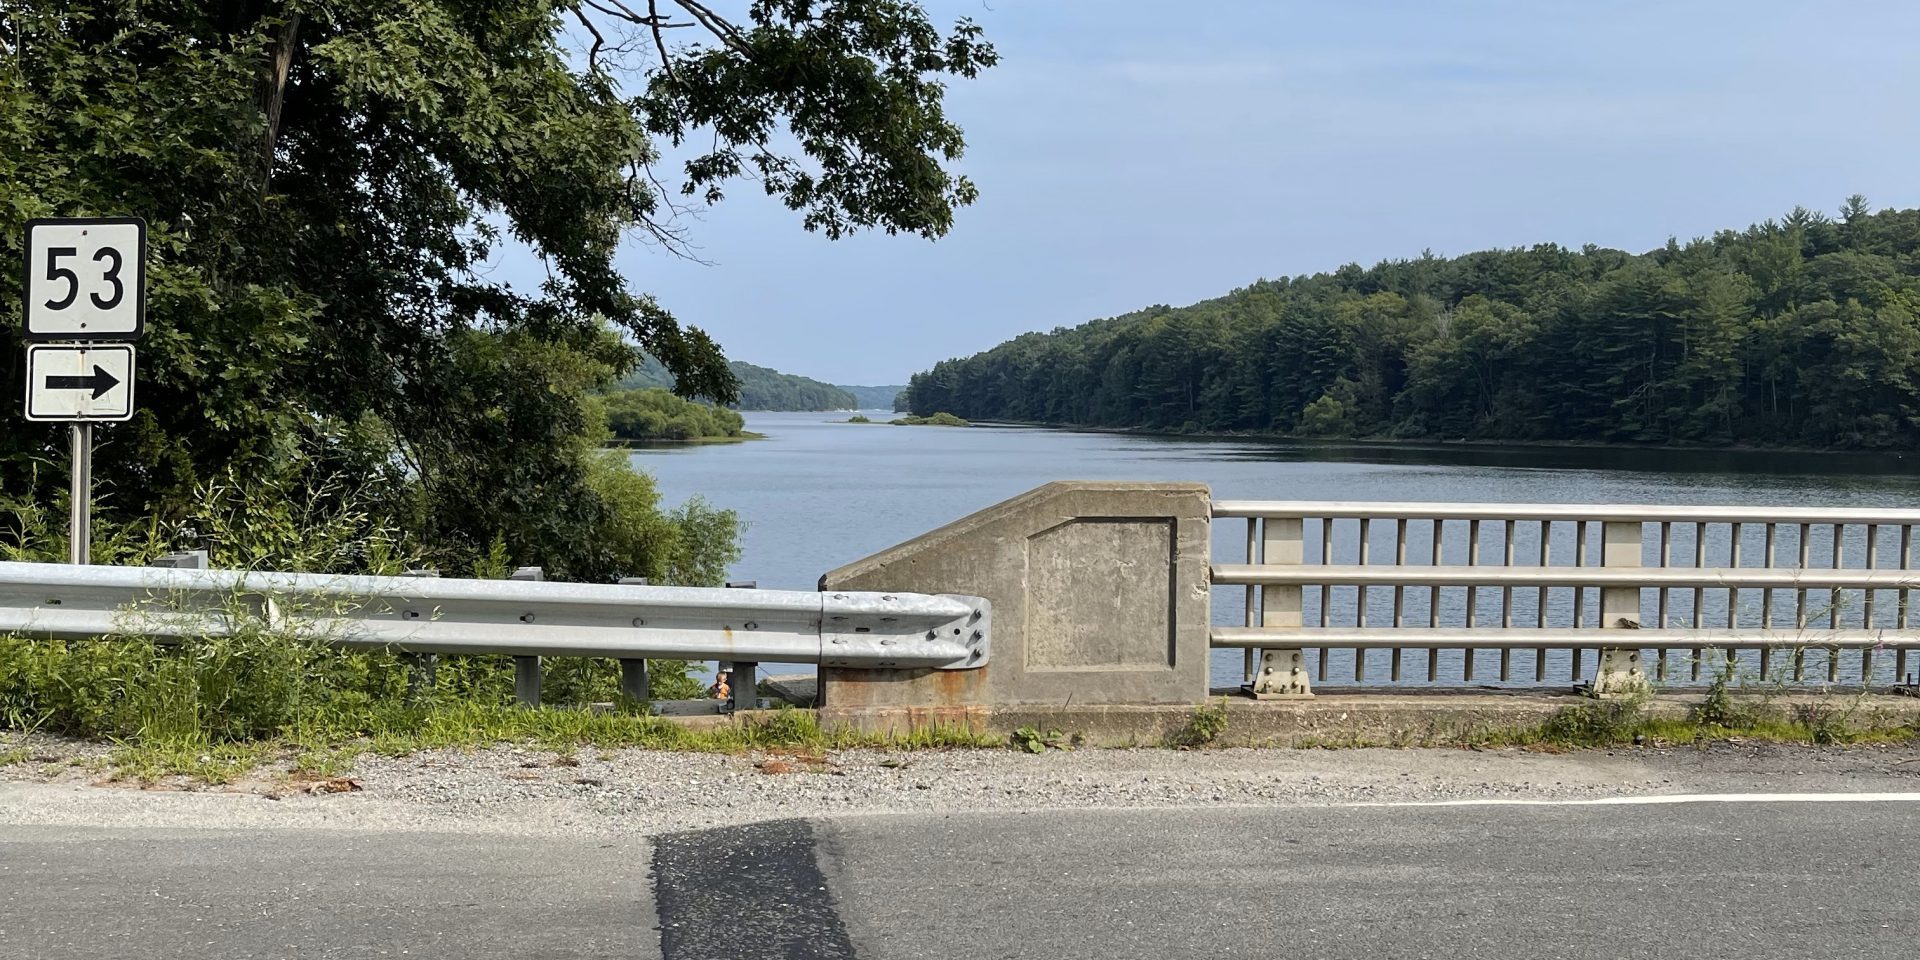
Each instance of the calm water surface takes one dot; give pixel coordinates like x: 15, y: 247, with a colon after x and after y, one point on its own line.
x: 818, y: 493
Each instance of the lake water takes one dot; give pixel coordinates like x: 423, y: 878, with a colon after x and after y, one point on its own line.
x: 819, y: 492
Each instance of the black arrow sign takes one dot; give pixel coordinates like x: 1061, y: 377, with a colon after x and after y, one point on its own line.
x: 100, y: 382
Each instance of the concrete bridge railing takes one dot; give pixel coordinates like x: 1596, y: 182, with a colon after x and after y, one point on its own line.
x: 1702, y: 589
x: 1108, y: 593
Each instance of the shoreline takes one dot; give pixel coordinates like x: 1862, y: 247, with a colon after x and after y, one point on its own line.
x: 619, y: 443
x: 1411, y: 443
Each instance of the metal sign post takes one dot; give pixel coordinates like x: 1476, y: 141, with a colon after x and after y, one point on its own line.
x: 80, y: 508
x: 85, y: 282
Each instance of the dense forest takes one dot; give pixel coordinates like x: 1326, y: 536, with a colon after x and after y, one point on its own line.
x: 761, y: 388
x: 654, y: 413
x: 1797, y: 331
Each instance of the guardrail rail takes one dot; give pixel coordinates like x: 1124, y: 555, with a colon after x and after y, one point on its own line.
x: 524, y: 618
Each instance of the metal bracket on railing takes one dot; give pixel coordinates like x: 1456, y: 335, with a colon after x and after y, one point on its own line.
x: 1618, y: 674
x: 862, y: 629
x: 1282, y: 676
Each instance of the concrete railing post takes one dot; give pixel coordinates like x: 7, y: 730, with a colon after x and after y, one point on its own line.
x: 1619, y: 672
x: 1099, y: 592
x: 1282, y: 673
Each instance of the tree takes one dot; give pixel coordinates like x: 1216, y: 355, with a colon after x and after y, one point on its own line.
x: 325, y: 185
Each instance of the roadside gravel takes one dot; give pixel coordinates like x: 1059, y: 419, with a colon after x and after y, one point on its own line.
x: 526, y: 791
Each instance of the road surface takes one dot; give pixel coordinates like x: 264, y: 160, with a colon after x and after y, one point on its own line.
x: 1715, y: 877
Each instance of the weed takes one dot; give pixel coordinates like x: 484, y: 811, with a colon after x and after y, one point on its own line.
x: 1720, y: 709
x: 1601, y: 723
x: 1030, y: 739
x: 1204, y: 727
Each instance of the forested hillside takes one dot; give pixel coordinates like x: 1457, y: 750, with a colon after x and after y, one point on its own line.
x: 761, y: 388
x: 1793, y: 331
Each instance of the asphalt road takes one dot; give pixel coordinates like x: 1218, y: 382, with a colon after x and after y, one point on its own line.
x: 1695, y: 880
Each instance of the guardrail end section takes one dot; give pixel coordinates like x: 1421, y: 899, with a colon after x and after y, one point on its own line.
x: 886, y: 631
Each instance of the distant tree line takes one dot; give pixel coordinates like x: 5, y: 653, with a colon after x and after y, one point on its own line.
x: 761, y: 388
x: 873, y: 398
x: 1794, y: 331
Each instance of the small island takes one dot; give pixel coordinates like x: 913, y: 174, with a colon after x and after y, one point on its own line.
x: 656, y: 415
x: 941, y: 419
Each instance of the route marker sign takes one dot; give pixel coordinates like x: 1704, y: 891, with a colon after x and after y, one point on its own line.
x: 86, y: 279
x: 79, y: 381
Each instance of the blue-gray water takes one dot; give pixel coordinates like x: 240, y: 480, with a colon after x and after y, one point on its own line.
x: 818, y: 493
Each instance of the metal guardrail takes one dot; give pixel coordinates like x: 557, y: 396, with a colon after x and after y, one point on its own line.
x: 521, y: 618
x: 1734, y: 587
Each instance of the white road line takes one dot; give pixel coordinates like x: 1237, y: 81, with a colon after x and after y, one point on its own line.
x: 1668, y: 798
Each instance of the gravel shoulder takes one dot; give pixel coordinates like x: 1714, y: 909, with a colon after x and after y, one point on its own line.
x: 525, y: 791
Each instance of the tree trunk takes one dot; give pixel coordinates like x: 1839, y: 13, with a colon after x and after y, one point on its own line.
x: 273, y: 93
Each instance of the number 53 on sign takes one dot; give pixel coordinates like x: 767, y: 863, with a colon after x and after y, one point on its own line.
x: 84, y: 279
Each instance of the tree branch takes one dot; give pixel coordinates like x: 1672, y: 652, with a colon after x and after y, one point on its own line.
x: 717, y: 25
x: 593, y: 52
x: 660, y: 43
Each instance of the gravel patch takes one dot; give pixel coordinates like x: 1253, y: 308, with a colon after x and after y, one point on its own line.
x: 527, y: 791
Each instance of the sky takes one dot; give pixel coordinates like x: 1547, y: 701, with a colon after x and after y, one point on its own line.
x: 1131, y: 154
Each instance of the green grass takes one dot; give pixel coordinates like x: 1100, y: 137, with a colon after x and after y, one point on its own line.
x: 214, y: 709
x: 1604, y: 724
x: 403, y: 731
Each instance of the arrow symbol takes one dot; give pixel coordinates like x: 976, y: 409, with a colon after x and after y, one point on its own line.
x: 99, y: 382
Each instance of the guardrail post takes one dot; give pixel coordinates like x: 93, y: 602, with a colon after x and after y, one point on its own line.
x: 421, y: 667
x: 526, y: 681
x: 745, y: 680
x: 1618, y: 673
x: 187, y: 560
x: 1282, y: 674
x: 634, y: 683
x: 526, y: 670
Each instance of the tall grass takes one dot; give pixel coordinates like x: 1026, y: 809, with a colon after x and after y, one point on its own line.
x: 226, y: 695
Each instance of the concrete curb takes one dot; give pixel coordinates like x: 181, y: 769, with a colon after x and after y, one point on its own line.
x: 1335, y: 720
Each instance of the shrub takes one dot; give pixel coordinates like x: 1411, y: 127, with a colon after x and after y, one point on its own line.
x: 653, y: 413
x: 941, y: 419
x: 1204, y: 727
